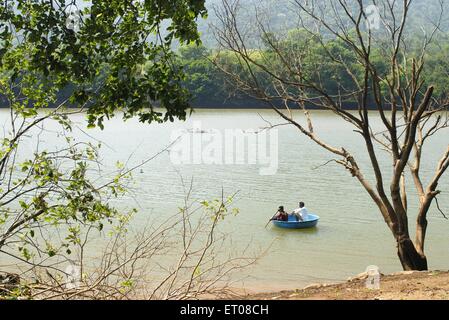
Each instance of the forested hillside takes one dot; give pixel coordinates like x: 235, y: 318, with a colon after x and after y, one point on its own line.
x: 282, y: 15
x: 210, y: 88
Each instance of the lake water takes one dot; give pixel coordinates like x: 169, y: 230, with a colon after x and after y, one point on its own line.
x: 351, y: 233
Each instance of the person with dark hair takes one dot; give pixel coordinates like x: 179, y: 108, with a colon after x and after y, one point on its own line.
x: 280, y: 215
x: 301, y: 213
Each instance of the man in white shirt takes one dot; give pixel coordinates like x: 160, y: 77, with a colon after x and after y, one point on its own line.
x: 301, y: 213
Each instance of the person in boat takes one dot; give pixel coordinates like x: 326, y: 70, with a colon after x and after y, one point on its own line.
x: 301, y: 213
x: 281, y: 215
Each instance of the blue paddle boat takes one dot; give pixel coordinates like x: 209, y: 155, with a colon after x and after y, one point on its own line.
x: 311, y: 222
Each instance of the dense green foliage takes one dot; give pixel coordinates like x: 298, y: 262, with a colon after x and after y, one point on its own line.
x: 203, y: 81
x: 100, y: 51
x: 209, y: 85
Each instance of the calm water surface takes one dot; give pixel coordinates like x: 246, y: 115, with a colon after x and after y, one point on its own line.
x: 351, y: 233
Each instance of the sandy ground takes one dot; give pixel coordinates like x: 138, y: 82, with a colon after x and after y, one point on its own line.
x: 398, y: 286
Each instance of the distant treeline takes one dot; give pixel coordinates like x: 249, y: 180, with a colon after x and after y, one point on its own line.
x: 211, y: 88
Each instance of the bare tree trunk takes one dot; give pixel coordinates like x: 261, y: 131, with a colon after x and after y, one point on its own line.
x: 409, y: 256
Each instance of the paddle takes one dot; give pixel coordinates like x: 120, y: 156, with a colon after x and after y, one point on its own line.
x: 270, y: 220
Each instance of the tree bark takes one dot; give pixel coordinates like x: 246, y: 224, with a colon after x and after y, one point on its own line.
x: 409, y: 256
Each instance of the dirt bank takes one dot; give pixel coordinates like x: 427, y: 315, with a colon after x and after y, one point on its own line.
x: 397, y: 286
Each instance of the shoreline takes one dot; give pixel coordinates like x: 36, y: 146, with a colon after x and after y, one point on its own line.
x: 405, y: 285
